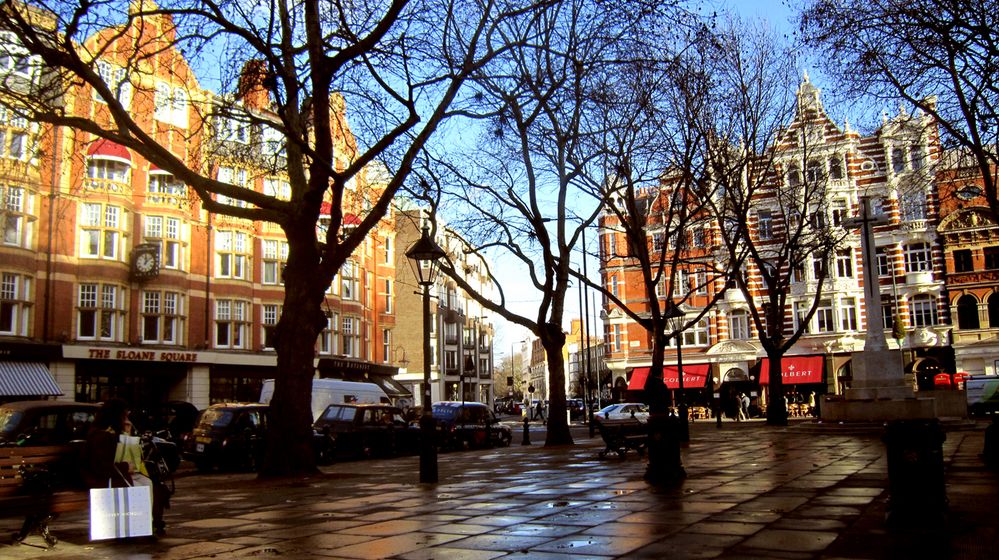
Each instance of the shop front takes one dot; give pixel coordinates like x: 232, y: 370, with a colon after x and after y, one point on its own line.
x: 803, y: 380
x: 24, y: 371
x: 695, y: 378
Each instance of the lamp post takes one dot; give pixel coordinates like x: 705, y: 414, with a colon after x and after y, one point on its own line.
x: 423, y: 257
x: 675, y: 318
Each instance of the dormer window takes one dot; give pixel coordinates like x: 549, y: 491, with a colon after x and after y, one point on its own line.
x: 117, y: 81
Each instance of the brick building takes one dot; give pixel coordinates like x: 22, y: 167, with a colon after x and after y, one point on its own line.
x: 896, y: 168
x: 118, y: 282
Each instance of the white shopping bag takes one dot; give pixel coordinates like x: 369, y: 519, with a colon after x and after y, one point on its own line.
x: 121, y: 512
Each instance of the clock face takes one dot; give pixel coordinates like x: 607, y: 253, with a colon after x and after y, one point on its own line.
x: 145, y: 262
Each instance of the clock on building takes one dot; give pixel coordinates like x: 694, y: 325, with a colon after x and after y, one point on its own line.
x: 145, y: 261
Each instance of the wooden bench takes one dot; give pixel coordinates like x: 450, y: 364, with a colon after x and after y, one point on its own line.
x: 39, y: 483
x: 621, y: 435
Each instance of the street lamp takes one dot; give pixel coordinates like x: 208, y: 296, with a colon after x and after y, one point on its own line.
x: 675, y: 317
x: 423, y: 257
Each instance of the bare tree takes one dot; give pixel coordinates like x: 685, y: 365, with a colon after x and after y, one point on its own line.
x: 286, y: 72
x: 530, y: 186
x: 938, y: 55
x: 772, y: 208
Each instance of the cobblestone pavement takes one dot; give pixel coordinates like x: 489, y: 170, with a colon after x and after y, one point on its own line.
x: 752, y: 491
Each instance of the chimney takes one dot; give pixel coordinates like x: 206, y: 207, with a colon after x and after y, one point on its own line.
x: 252, y: 85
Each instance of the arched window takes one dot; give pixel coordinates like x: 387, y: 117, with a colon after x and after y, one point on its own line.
x: 967, y: 312
x: 994, y: 311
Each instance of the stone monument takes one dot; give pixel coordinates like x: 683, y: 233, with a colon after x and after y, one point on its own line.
x: 879, y: 391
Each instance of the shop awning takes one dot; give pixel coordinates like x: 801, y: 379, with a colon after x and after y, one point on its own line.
x: 107, y: 149
x: 27, y: 379
x: 695, y: 376
x: 392, y: 388
x: 795, y: 370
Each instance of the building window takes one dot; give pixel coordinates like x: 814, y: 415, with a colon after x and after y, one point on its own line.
x: 613, y: 286
x: 738, y: 325
x: 274, y: 259
x: 231, y: 129
x: 839, y: 211
x: 164, y: 188
x: 967, y: 312
x: 824, y: 321
x: 162, y: 317
x: 991, y: 258
x: 165, y: 232
x: 887, y: 314
x: 270, y: 314
x: 117, y: 81
x: 388, y: 296
x: 15, y: 304
x: 836, y: 167
x: 814, y: 172
x: 657, y: 242
x: 994, y: 311
x: 963, y: 261
x: 793, y: 176
x: 15, y: 59
x: 278, y: 188
x: 108, y: 175
x: 231, y: 254
x: 897, y: 160
x: 848, y: 309
x: 101, y: 231
x: 696, y: 334
x: 800, y: 310
x: 231, y: 323
x: 272, y: 144
x: 884, y: 262
x: 611, y: 245
x: 350, y: 288
x: 329, y: 339
x: 917, y: 257
x: 765, y: 225
x: 820, y: 266
x: 386, y: 345
x: 917, y: 155
x: 351, y: 337
x: 171, y: 105
x: 17, y: 208
x: 844, y: 263
x: 913, y: 205
x: 923, y: 310
x: 700, y: 237
x: 16, y: 134
x: 100, y: 312
x: 234, y: 176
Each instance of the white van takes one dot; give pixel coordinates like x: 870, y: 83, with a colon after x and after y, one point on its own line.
x: 983, y: 394
x: 333, y: 391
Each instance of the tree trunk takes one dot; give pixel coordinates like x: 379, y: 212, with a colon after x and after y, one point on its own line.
x: 558, y: 422
x: 289, y: 449
x: 776, y: 408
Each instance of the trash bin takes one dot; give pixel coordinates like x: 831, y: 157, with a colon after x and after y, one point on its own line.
x: 916, y: 486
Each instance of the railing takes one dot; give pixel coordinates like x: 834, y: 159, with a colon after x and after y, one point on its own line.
x: 106, y: 186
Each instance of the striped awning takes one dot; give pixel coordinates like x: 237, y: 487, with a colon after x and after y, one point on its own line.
x: 27, y: 379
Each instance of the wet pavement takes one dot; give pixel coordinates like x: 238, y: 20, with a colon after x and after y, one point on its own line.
x: 752, y: 491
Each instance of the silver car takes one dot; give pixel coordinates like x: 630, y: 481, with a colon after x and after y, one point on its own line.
x: 623, y: 411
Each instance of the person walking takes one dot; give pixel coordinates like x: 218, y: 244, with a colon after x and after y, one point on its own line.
x: 539, y: 411
x: 112, y: 457
x: 744, y: 401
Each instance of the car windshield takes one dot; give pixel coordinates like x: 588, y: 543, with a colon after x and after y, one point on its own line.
x: 9, y: 419
x: 216, y: 418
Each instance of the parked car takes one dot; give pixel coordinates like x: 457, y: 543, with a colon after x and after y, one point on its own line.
x: 43, y: 422
x: 623, y: 411
x: 463, y: 425
x: 228, y: 436
x: 363, y: 430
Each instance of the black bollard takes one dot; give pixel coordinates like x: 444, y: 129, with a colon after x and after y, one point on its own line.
x: 527, y: 433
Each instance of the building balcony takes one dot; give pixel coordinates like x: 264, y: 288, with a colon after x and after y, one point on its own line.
x: 919, y: 277
x: 167, y: 200
x: 106, y: 186
x: 915, y: 225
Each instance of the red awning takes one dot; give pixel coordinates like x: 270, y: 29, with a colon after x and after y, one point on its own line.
x: 795, y: 370
x: 695, y: 376
x: 109, y: 150
x: 348, y: 219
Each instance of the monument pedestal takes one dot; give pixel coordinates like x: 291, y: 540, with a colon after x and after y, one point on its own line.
x: 879, y: 392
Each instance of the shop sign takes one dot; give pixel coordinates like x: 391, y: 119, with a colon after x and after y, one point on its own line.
x: 128, y: 354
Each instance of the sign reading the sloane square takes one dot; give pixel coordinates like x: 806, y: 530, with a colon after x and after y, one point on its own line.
x: 140, y: 355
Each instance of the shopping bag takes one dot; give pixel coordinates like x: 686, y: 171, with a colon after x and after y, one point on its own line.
x: 121, y: 512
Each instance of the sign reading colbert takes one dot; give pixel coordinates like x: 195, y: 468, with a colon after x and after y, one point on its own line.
x: 795, y: 370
